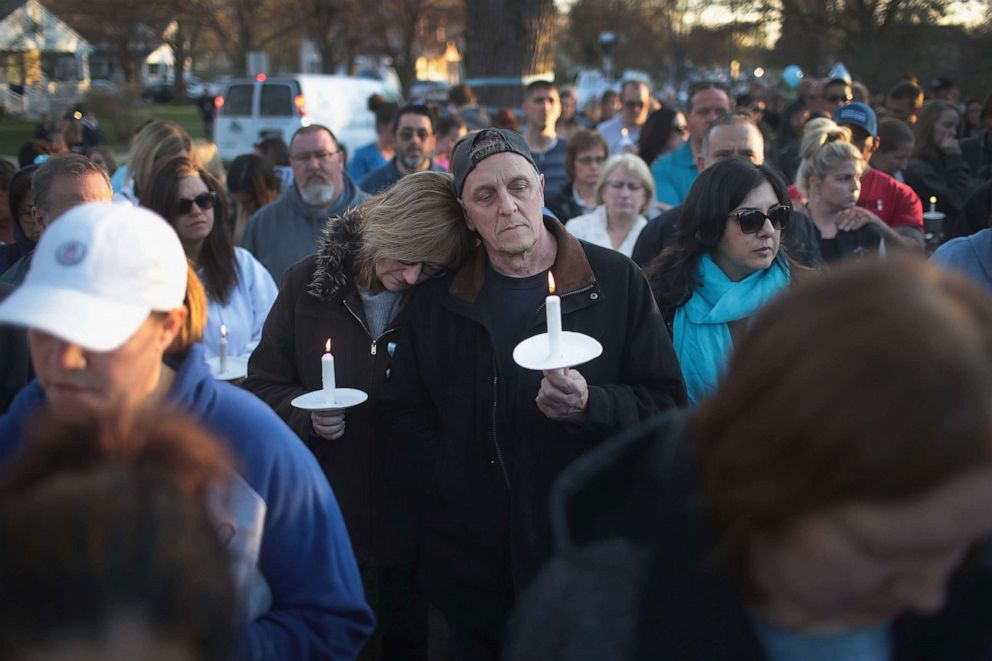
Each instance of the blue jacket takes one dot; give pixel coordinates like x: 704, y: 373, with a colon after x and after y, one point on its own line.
x: 970, y: 256
x: 318, y: 610
x: 674, y: 173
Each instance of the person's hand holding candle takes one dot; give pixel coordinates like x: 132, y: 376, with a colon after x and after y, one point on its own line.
x: 564, y: 395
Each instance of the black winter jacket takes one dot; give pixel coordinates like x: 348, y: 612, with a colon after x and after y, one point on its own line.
x: 319, y: 300
x: 635, y: 575
x: 447, y: 406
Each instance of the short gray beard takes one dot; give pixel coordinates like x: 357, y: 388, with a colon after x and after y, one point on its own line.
x: 318, y: 194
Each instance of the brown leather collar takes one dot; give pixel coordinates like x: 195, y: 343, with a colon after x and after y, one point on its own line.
x: 571, y: 268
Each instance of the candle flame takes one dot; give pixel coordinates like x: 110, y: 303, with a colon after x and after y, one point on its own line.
x: 933, y: 199
x: 551, y: 283
x: 327, y: 347
x: 223, y: 330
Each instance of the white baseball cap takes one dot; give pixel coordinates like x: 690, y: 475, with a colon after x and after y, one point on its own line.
x: 96, y: 275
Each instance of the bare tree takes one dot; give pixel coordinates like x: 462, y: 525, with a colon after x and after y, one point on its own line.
x: 507, y: 40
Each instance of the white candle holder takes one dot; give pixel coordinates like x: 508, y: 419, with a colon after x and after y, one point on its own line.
x: 534, y: 353
x: 317, y: 400
x: 234, y: 368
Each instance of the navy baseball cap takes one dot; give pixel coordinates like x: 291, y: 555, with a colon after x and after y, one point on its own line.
x: 858, y: 114
x: 476, y: 147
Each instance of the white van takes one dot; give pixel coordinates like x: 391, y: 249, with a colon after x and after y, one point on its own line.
x: 251, y: 109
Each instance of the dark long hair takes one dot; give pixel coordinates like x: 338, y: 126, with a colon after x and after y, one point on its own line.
x: 217, y: 259
x: 655, y: 134
x: 718, y: 191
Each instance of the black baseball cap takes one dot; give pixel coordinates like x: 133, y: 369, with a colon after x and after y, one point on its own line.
x: 477, y: 147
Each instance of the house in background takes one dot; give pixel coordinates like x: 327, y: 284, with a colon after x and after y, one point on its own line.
x: 44, y: 63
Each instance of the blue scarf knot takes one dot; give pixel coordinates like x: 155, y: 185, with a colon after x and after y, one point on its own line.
x: 702, y: 336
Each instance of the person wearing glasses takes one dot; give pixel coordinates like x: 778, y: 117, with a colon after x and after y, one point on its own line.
x: 284, y: 232
x: 829, y: 179
x: 725, y: 262
x: 664, y: 131
x: 625, y: 194
x: 836, y: 93
x: 624, y: 130
x: 353, y: 292
x: 731, y: 136
x: 414, y: 142
x: 62, y: 182
x: 240, y: 290
x: 674, y: 172
x: 584, y: 158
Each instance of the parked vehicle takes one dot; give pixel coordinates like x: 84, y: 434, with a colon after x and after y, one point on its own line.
x: 251, y: 109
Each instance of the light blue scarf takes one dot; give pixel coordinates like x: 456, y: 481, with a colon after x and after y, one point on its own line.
x: 702, y: 337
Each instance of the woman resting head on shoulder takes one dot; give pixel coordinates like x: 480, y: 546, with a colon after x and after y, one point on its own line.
x: 725, y: 263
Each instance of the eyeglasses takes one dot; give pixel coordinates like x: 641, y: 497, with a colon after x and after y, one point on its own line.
x: 407, y: 134
x: 320, y: 155
x: 840, y: 98
x: 752, y: 220
x: 429, y: 269
x: 680, y: 128
x: 591, y: 160
x: 632, y: 186
x: 204, y: 200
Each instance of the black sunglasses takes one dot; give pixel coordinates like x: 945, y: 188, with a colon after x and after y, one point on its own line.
x: 205, y: 201
x: 752, y: 220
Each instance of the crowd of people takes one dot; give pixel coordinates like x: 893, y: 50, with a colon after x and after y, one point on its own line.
x: 761, y: 462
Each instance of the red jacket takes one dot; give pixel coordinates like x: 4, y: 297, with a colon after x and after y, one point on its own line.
x: 891, y: 200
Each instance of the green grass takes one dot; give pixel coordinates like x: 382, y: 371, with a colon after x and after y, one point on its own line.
x: 15, y: 132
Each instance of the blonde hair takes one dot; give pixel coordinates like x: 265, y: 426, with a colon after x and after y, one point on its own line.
x: 636, y: 166
x: 196, y: 315
x: 418, y: 219
x: 204, y: 154
x: 156, y: 142
x: 824, y: 146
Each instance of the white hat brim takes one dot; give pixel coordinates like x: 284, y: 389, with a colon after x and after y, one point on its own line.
x: 74, y: 316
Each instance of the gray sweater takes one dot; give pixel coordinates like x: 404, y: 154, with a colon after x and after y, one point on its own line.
x: 287, y: 230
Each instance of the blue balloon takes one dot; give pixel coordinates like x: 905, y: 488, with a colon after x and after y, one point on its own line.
x: 792, y: 76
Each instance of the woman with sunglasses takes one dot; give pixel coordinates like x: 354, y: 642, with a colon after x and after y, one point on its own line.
x: 353, y: 292
x: 829, y: 178
x: 584, y: 157
x: 664, y: 131
x: 726, y: 262
x: 625, y: 194
x: 240, y: 290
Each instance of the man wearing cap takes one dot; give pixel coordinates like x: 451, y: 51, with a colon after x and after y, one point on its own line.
x: 895, y: 208
x: 478, y: 439
x: 113, y: 324
x: 287, y: 230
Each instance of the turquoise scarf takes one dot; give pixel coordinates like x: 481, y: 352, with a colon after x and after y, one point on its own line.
x: 702, y: 337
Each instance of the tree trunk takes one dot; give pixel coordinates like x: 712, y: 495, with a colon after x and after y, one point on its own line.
x: 508, y: 39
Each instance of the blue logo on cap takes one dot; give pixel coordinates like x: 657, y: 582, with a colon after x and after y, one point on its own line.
x: 70, y: 253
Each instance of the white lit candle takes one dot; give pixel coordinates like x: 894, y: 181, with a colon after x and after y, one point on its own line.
x: 552, y: 308
x: 933, y: 204
x: 222, y: 348
x: 327, y: 374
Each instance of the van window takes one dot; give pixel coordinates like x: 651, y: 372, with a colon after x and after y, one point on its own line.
x: 277, y: 101
x: 238, y: 101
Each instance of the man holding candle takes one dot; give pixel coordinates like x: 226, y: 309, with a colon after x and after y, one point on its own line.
x: 478, y: 439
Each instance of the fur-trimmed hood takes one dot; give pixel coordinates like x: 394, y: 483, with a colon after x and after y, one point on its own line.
x: 339, y: 243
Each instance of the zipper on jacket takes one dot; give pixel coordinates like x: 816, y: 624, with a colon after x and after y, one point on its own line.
x: 499, y: 451
x: 567, y: 294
